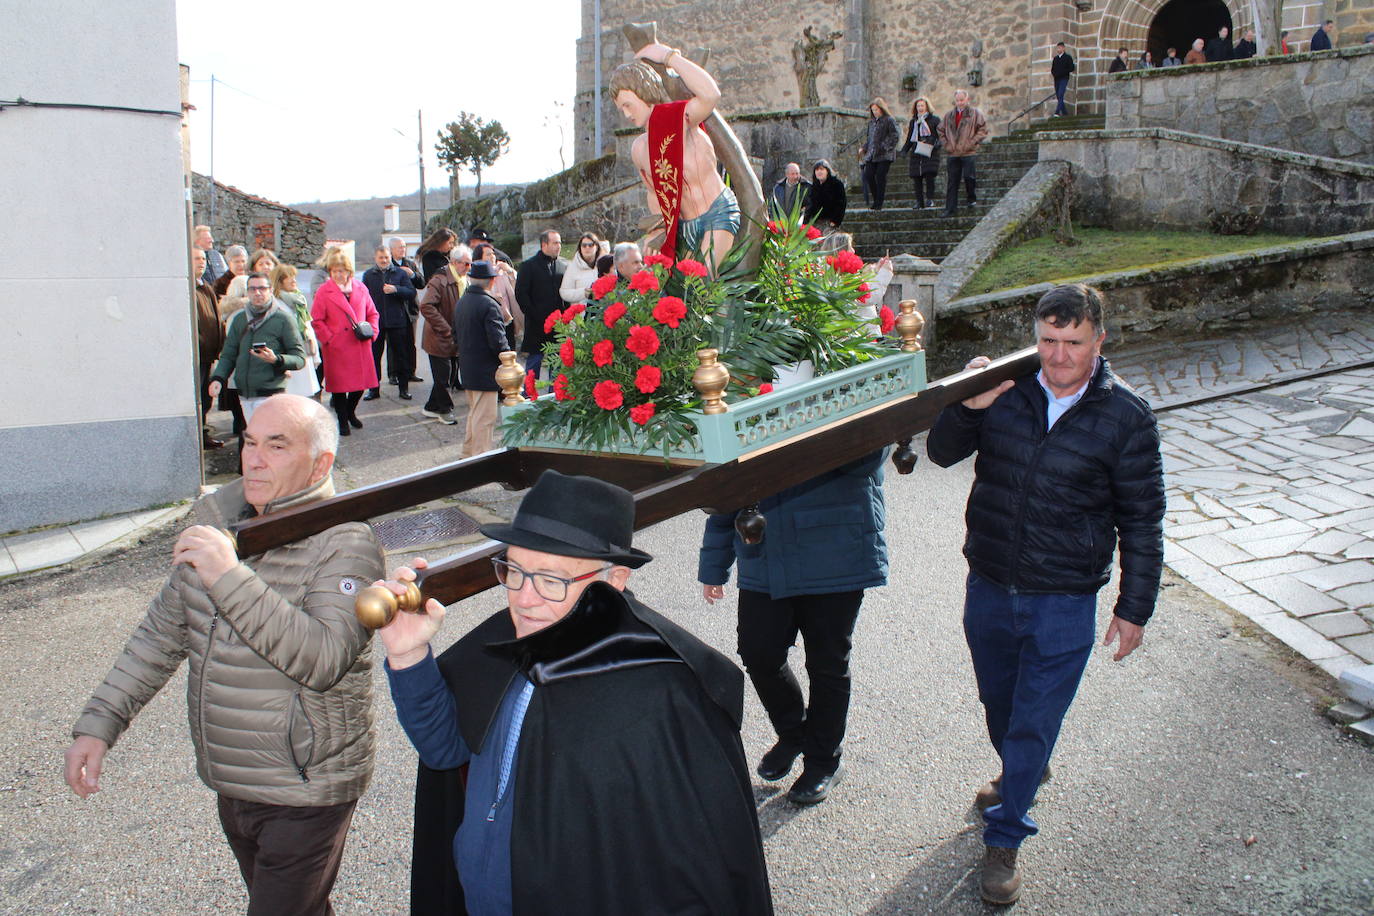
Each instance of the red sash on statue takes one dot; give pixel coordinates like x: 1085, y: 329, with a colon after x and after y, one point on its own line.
x: 666, y: 148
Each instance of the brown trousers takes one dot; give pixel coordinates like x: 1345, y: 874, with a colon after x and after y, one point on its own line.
x: 289, y: 856
x: 481, y: 422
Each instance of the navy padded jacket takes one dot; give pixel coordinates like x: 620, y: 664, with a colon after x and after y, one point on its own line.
x: 1046, y: 509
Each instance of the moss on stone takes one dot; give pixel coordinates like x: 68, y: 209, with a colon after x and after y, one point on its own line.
x: 1044, y: 260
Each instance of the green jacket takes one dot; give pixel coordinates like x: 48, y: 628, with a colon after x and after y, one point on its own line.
x: 253, y: 377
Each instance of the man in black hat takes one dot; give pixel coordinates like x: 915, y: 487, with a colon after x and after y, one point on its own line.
x: 482, y: 237
x: 479, y: 328
x: 579, y: 752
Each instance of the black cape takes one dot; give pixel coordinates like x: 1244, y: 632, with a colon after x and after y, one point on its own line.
x: 632, y: 795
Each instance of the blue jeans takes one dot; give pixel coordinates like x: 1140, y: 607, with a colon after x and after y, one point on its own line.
x: 1029, y: 652
x: 1061, y: 85
x: 534, y: 362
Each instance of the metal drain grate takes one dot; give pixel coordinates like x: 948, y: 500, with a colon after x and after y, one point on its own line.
x: 432, y: 527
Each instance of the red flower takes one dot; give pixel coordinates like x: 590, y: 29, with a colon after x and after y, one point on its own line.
x: 864, y: 288
x: 603, y: 352
x: 692, y: 268
x: 766, y: 388
x: 847, y: 262
x: 614, y: 312
x: 531, y: 391
x: 657, y: 258
x: 608, y: 395
x: 642, y: 413
x: 644, y: 282
x: 560, y: 388
x: 554, y: 317
x: 648, y: 378
x: 886, y: 320
x: 643, y: 341
x: 670, y: 310
x: 774, y: 228
x: 604, y: 285
x: 830, y: 259
x: 572, y: 312
x: 565, y: 353
x: 813, y: 233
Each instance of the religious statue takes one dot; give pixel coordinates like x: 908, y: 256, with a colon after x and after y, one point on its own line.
x: 676, y: 160
x: 808, y: 60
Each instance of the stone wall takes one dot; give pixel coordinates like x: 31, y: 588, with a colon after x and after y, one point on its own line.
x: 501, y: 214
x: 614, y: 215
x: 908, y: 48
x: 255, y: 222
x: 1032, y: 208
x: 1208, y: 297
x: 1321, y: 103
x: 1172, y: 180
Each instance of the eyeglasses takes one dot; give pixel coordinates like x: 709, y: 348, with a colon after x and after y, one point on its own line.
x: 547, y: 586
x: 259, y: 289
x: 587, y: 245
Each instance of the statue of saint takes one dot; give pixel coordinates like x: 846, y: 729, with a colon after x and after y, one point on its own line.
x: 808, y: 60
x: 676, y: 159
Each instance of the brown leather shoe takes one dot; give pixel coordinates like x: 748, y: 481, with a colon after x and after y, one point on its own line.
x: 1001, y: 883
x: 991, y: 793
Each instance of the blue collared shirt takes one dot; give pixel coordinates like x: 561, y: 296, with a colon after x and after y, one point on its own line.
x: 1058, y: 406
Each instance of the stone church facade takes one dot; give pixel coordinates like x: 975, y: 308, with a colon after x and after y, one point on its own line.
x: 901, y: 49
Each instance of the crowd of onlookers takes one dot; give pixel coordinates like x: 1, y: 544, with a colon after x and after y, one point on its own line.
x: 1218, y: 48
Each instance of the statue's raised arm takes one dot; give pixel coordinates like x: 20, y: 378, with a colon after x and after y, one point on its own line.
x: 677, y: 162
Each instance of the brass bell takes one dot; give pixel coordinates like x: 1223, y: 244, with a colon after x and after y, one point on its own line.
x: 376, y: 606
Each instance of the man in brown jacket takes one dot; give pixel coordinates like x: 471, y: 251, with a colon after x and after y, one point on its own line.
x: 961, y: 133
x: 438, y: 305
x: 210, y: 338
x: 280, y: 686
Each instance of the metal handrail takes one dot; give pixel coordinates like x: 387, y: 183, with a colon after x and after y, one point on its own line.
x: 1028, y: 109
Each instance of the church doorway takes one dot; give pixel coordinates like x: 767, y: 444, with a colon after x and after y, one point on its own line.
x: 1179, y: 22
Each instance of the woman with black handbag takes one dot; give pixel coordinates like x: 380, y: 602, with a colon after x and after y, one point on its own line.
x: 923, y: 143
x: 345, y: 321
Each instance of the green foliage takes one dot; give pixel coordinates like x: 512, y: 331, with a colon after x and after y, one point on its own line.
x: 471, y: 144
x: 1102, y: 250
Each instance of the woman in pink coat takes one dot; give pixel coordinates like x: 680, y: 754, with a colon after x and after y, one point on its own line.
x: 341, y: 306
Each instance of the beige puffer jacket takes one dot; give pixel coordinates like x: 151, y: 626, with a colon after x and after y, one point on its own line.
x: 280, y: 687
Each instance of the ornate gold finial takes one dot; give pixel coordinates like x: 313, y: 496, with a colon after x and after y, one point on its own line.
x: 909, y: 325
x: 510, y: 376
x: 376, y: 606
x: 710, y: 379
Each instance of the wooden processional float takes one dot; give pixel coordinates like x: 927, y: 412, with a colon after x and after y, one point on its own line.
x: 779, y: 440
x: 745, y: 451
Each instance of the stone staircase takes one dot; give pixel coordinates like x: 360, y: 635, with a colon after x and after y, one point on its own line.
x: 899, y: 227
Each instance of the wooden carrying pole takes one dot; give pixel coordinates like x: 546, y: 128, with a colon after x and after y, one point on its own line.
x: 661, y: 489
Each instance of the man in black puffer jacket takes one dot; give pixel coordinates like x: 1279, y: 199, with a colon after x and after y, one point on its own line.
x: 1068, y: 461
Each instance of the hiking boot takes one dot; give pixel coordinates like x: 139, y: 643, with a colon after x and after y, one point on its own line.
x: 991, y: 793
x: 1001, y: 884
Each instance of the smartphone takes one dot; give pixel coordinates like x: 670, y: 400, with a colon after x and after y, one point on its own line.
x: 259, y: 346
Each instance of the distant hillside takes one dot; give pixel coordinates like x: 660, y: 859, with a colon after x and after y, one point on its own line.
x: 361, y: 220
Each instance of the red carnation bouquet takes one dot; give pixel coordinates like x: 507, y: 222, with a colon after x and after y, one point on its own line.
x: 624, y: 364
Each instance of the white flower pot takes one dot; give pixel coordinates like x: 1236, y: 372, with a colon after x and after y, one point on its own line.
x: 793, y: 374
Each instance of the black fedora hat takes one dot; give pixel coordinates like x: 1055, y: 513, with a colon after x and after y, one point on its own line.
x: 574, y: 516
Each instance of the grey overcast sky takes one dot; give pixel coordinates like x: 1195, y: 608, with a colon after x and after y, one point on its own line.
x: 319, y: 101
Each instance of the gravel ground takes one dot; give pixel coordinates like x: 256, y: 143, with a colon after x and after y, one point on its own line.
x: 1196, y: 777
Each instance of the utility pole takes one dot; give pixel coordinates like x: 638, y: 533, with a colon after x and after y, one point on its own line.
x: 212, y: 149
x: 420, y: 119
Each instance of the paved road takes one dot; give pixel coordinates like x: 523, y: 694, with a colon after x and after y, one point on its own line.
x: 1170, y: 762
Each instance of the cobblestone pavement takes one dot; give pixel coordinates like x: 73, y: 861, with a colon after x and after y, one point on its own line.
x: 1271, y: 492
